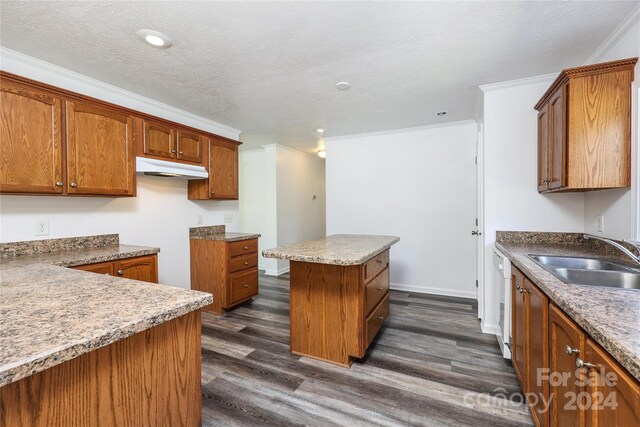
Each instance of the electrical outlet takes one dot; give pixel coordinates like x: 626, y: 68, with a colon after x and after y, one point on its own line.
x: 42, y: 228
x: 200, y: 219
x: 601, y: 223
x: 228, y: 218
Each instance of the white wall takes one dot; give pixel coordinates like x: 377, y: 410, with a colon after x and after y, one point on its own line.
x: 618, y: 207
x: 160, y: 215
x: 511, y: 199
x: 277, y: 185
x: 418, y: 184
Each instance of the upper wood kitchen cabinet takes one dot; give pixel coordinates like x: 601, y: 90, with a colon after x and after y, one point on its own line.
x: 100, y: 156
x: 223, y: 173
x: 31, y: 135
x: 584, y: 129
x: 166, y: 142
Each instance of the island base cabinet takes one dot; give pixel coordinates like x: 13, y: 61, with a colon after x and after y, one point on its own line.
x: 151, y: 378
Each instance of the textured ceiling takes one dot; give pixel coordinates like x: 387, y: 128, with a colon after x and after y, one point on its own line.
x: 270, y: 68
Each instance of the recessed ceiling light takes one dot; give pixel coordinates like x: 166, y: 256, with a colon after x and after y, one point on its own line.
x: 155, y: 39
x: 343, y: 85
x: 322, y: 153
x: 320, y: 130
x: 442, y: 113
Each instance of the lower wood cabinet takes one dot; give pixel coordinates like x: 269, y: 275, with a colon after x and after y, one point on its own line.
x: 144, y: 268
x: 567, y: 378
x: 228, y: 270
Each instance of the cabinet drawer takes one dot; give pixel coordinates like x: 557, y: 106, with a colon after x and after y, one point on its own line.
x: 243, y: 285
x: 375, y: 265
x: 99, y: 268
x: 242, y: 262
x: 376, y: 319
x: 243, y: 247
x: 375, y: 290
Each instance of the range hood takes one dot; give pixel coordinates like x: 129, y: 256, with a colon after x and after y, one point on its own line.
x: 169, y: 169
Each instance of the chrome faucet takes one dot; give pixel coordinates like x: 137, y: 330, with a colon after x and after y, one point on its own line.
x: 627, y: 252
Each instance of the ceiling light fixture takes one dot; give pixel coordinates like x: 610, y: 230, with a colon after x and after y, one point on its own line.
x: 442, y: 113
x: 320, y: 130
x: 343, y: 85
x: 322, y: 153
x: 154, y: 39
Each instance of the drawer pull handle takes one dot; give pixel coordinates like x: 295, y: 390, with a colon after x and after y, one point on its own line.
x: 120, y: 272
x: 180, y: 152
x: 59, y: 183
x: 173, y: 150
x: 570, y: 350
x: 246, y: 286
x: 381, y: 317
x: 582, y: 364
x: 246, y: 263
x: 245, y: 247
x: 74, y: 184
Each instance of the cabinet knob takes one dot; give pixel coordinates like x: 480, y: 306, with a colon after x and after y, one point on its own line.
x: 58, y: 183
x: 246, y: 286
x: 173, y: 150
x: 381, y: 317
x: 570, y: 351
x: 180, y: 152
x: 582, y: 364
x: 246, y: 263
x: 245, y: 247
x: 73, y: 184
x: 120, y: 272
x: 213, y: 192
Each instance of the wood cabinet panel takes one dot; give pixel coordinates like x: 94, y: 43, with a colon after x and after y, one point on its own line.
x: 100, y: 157
x: 243, y: 285
x: 243, y: 262
x: 150, y: 378
x: 557, y: 140
x: 31, y: 135
x: 139, y: 268
x: 190, y: 146
x: 243, y: 247
x: 518, y: 329
x: 375, y: 290
x: 615, y: 394
x: 376, y: 320
x: 375, y: 265
x: 158, y: 139
x: 537, y: 349
x: 566, y: 342
x: 223, y: 169
x: 99, y: 268
x: 543, y: 148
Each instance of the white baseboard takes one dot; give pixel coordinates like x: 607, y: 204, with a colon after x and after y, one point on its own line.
x: 433, y: 291
x: 488, y: 328
x: 274, y: 272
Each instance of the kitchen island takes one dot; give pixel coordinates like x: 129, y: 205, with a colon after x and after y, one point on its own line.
x: 339, y: 294
x: 81, y: 348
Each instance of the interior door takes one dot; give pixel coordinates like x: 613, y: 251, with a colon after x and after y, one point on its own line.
x: 31, y: 135
x: 100, y: 159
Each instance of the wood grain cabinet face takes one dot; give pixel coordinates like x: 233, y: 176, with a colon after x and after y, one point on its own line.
x: 223, y: 169
x: 98, y: 268
x: 518, y: 328
x: 537, y: 350
x: 158, y: 140
x: 584, y: 129
x: 189, y: 146
x: 31, y: 135
x: 141, y: 268
x: 100, y: 158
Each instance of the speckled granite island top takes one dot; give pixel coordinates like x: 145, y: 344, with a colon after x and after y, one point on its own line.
x: 218, y: 232
x: 50, y: 314
x: 610, y: 315
x: 338, y: 249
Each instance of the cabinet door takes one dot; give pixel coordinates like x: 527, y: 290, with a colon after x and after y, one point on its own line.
x: 518, y: 330
x: 537, y: 349
x: 557, y: 143
x: 141, y: 268
x: 158, y: 140
x: 615, y: 394
x: 100, y: 158
x: 31, y: 135
x: 566, y: 344
x: 189, y: 146
x: 223, y: 169
x: 99, y: 268
x: 543, y: 148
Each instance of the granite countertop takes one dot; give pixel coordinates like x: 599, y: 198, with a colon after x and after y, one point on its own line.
x: 218, y: 232
x: 610, y: 315
x: 338, y: 249
x: 50, y: 314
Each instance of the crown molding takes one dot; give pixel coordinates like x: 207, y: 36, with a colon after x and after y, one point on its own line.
x: 518, y: 82
x: 26, y: 66
x: 402, y: 130
x: 615, y: 36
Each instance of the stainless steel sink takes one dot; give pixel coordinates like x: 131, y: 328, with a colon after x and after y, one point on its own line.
x: 591, y: 271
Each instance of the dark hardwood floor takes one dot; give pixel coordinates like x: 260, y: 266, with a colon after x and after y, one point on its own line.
x: 429, y: 366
